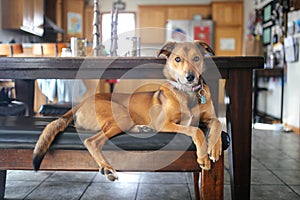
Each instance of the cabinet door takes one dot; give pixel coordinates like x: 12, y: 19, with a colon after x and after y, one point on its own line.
x: 152, y: 22
x: 12, y: 14
x: 38, y: 18
x: 88, y: 23
x: 28, y: 13
x: 177, y: 13
x: 188, y: 12
x: 228, y: 41
x: 203, y: 10
x: 228, y: 13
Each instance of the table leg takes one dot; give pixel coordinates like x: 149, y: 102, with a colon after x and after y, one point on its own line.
x: 239, y: 90
x: 197, y: 185
x: 25, y: 93
x: 2, y: 183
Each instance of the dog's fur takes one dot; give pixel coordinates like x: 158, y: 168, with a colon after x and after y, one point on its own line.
x: 175, y: 107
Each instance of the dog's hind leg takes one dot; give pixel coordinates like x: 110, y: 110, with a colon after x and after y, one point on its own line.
x: 111, y: 125
x: 95, y: 144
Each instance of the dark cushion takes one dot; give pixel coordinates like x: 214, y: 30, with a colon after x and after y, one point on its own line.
x: 23, y: 132
x: 55, y: 109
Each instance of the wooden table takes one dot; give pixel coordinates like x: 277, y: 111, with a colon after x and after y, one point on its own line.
x: 238, y: 72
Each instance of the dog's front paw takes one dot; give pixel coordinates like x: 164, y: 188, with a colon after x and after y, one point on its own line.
x: 216, y: 151
x: 204, y: 163
x: 109, y: 173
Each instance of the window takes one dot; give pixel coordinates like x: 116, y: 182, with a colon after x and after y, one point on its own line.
x: 126, y: 29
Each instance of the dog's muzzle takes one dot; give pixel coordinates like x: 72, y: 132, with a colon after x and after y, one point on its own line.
x: 190, y: 77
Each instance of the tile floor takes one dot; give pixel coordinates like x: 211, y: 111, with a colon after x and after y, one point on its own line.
x: 275, y: 175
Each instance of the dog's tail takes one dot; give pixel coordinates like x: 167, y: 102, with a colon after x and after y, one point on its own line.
x: 48, y: 135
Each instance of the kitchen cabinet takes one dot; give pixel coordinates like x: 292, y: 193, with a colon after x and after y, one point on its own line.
x: 151, y: 23
x: 228, y: 18
x: 188, y: 12
x: 27, y: 15
x: 228, y: 41
x: 177, y: 13
x: 88, y: 23
x: 157, y: 16
x: 227, y: 13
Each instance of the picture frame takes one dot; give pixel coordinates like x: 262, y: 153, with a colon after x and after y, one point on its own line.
x: 267, y: 35
x: 267, y: 13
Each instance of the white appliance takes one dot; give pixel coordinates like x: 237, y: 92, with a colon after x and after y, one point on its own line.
x: 189, y: 30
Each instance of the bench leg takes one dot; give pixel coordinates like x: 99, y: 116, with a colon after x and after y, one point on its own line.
x: 197, y: 185
x: 212, y: 181
x: 2, y: 183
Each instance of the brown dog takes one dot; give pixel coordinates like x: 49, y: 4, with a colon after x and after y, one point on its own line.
x: 177, y: 106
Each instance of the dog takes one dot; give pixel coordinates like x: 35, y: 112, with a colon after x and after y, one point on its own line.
x: 178, y: 106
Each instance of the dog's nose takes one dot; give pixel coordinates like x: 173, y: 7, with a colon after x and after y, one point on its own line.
x: 190, y: 76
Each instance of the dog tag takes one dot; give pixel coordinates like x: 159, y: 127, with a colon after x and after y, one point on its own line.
x: 202, y: 93
x: 203, y: 100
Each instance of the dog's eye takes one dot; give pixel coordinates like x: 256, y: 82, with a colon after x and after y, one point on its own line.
x: 196, y: 59
x: 178, y: 59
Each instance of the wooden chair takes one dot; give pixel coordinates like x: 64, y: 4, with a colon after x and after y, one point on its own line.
x: 48, y: 49
x: 9, y: 50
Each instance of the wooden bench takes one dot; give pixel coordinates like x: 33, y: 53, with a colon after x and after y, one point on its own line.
x: 237, y: 71
x: 127, y: 152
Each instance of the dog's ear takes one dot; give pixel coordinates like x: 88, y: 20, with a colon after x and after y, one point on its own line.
x: 205, y: 49
x: 166, y: 49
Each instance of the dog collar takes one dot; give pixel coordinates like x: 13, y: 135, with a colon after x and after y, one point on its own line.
x: 185, y: 88
x: 200, y: 91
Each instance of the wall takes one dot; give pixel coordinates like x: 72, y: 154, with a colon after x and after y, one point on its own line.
x: 248, y: 8
x: 292, y: 98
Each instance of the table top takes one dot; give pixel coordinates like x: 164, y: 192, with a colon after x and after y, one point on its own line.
x: 108, y: 67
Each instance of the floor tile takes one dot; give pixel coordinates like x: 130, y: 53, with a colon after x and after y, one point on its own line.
x: 263, y: 154
x: 163, y: 191
x: 227, y: 192
x: 124, y: 177
x: 192, y: 190
x: 189, y: 177
x: 226, y: 177
x: 281, y: 164
x: 272, y: 192
x: 19, y: 189
x: 264, y: 177
x: 166, y: 177
x: 290, y: 177
x: 296, y: 188
x: 111, y: 191
x: 58, y: 190
x: 257, y: 165
x: 27, y: 175
x: 293, y: 154
x: 60, y: 176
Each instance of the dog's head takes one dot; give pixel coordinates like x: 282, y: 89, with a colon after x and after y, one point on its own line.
x: 185, y: 61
